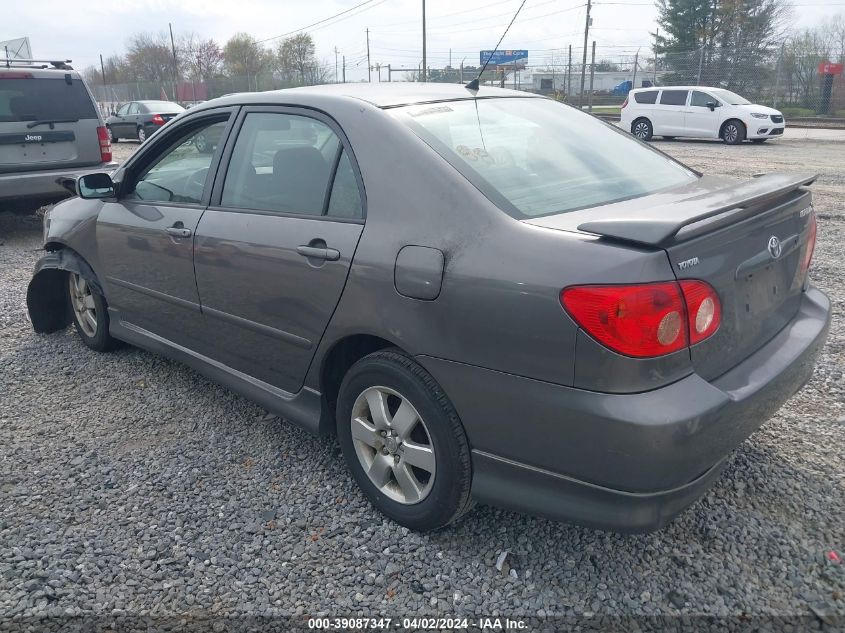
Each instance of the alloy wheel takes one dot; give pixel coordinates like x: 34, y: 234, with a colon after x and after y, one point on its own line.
x: 82, y: 301
x: 731, y: 133
x: 641, y: 130
x: 393, y: 445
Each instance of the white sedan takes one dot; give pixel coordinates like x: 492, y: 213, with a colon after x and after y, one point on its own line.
x: 698, y: 112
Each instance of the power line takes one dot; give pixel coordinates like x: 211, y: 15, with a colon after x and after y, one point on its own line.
x: 313, y: 24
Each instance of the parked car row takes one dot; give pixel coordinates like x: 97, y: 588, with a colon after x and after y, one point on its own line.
x: 140, y: 119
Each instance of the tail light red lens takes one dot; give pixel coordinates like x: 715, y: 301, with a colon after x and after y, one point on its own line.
x: 158, y: 120
x: 105, y: 144
x: 647, y: 320
x: 811, y: 243
x: 703, y: 307
x: 625, y: 103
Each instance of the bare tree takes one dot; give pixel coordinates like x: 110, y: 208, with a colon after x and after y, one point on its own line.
x: 149, y: 57
x: 297, y: 63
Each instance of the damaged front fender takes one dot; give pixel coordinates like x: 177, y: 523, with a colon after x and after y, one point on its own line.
x: 47, y: 296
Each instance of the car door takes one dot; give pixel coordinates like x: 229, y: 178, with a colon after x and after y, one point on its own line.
x: 118, y: 125
x: 700, y: 120
x: 145, y: 236
x: 272, y: 252
x: 669, y: 112
x: 131, y: 119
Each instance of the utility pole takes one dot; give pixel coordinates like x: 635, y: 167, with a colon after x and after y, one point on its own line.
x: 369, y: 66
x: 423, y: 73
x: 102, y: 69
x: 344, y: 69
x: 175, y: 63
x: 450, y: 59
x: 569, y: 76
x: 634, y: 77
x: 378, y: 70
x: 584, y: 62
x: 592, y: 76
x: 336, y: 78
x: 654, y: 76
x: 389, y: 74
x: 700, y: 65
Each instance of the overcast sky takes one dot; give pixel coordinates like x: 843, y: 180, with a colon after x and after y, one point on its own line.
x: 545, y: 27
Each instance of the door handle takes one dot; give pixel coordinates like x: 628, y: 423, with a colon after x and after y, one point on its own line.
x: 314, y: 252
x: 178, y: 230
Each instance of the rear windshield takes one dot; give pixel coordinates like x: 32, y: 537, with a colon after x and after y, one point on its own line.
x: 162, y: 107
x: 44, y: 99
x: 535, y: 157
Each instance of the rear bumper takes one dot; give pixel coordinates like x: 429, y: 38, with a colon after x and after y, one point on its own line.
x: 44, y: 184
x: 626, y: 462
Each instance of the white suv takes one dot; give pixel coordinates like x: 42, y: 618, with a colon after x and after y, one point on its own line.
x: 698, y: 112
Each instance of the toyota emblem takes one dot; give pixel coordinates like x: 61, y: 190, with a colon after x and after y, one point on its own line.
x: 775, y: 247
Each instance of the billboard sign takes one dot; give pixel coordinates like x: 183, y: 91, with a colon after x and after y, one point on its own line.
x: 501, y: 58
x: 16, y: 49
x: 828, y: 68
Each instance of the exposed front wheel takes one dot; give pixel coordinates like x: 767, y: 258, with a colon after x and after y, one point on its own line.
x: 641, y: 128
x: 733, y: 133
x: 403, y: 441
x: 90, y: 316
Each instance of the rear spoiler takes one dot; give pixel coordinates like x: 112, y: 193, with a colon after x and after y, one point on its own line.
x: 689, y: 217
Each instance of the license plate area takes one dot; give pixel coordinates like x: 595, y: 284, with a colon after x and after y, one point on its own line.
x: 762, y: 292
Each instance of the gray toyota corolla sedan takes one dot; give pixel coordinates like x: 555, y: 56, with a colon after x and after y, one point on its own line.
x: 487, y: 295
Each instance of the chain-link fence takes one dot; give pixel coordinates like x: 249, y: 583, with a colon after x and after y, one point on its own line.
x: 790, y: 82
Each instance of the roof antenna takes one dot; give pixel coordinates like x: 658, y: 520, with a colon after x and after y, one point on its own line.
x: 473, y: 85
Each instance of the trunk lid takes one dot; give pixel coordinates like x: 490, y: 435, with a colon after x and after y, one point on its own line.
x: 46, y: 123
x: 747, y: 240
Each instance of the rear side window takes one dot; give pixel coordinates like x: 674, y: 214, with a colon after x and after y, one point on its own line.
x: 674, y: 97
x: 39, y: 99
x: 646, y: 97
x: 345, y: 200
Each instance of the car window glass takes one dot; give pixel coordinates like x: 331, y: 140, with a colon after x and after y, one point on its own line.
x: 179, y: 174
x: 536, y: 157
x: 345, y: 200
x: 40, y: 99
x: 124, y: 110
x: 133, y: 109
x: 649, y: 96
x: 280, y: 162
x: 701, y: 99
x: 673, y: 97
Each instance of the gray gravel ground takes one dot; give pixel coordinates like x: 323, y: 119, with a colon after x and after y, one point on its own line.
x: 130, y: 484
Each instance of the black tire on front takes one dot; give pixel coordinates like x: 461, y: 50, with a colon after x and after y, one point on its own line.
x: 449, y: 495
x: 142, y: 134
x: 101, y: 341
x: 112, y: 137
x: 733, y: 132
x: 642, y: 129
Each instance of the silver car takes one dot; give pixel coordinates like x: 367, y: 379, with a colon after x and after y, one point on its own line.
x: 487, y: 295
x: 50, y: 130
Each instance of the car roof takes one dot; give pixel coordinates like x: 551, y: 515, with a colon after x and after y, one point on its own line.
x: 39, y: 72
x: 382, y: 95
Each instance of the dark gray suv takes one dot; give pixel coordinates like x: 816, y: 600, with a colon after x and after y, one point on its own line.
x: 486, y: 294
x: 50, y: 129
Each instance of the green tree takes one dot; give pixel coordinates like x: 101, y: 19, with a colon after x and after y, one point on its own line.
x: 244, y: 57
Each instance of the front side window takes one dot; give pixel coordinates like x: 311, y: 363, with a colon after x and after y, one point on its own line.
x: 701, y: 99
x: 281, y: 162
x: 124, y: 109
x: 650, y: 96
x: 179, y: 174
x: 535, y: 157
x: 673, y: 97
x: 731, y: 98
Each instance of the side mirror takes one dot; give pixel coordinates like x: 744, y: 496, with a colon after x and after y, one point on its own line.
x: 94, y: 186
x: 711, y: 105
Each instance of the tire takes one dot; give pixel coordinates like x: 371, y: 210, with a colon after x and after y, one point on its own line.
x: 142, y: 134
x: 642, y: 129
x: 759, y: 141
x: 435, y: 489
x: 90, y: 314
x: 112, y: 138
x: 202, y: 144
x: 733, y: 132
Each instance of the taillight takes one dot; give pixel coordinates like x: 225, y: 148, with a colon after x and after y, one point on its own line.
x: 811, y: 243
x: 703, y: 308
x: 647, y: 320
x: 158, y: 120
x: 625, y: 103
x: 105, y: 144
x: 15, y: 75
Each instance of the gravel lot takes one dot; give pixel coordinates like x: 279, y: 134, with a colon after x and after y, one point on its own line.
x: 131, y: 485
